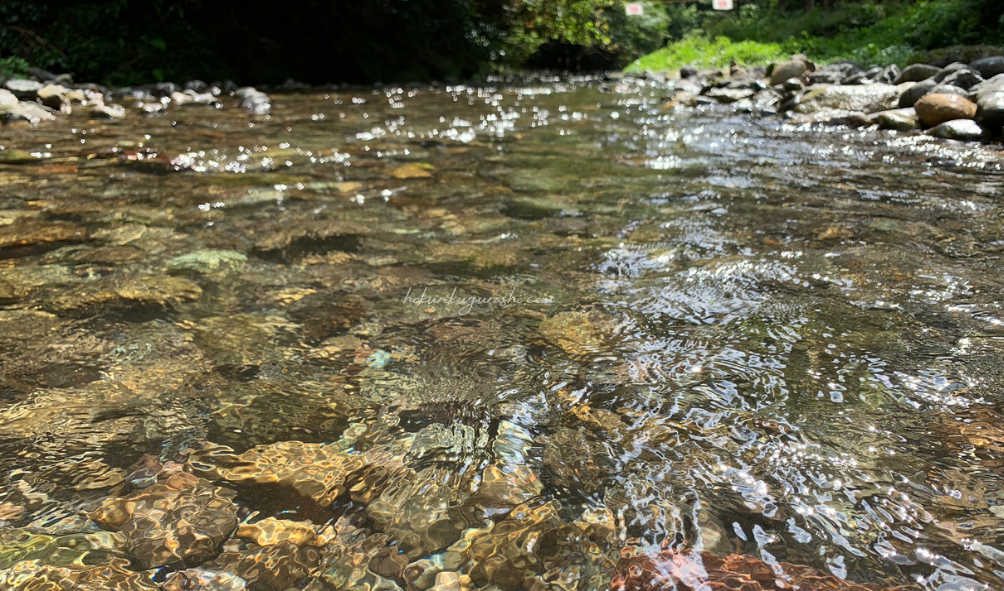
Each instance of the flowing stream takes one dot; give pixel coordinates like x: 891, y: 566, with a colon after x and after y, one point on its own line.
x: 498, y: 337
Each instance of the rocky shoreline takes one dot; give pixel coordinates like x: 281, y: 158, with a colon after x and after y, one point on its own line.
x: 947, y: 98
x: 954, y: 100
x: 44, y: 96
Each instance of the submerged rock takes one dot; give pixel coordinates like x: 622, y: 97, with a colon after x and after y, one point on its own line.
x: 640, y: 569
x: 277, y: 566
x: 271, y: 531
x: 934, y: 109
x: 197, y: 579
x: 578, y: 333
x: 316, y: 471
x: 206, y: 261
x: 180, y: 520
x: 114, y: 575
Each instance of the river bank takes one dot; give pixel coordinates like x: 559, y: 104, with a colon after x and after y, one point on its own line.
x: 946, y: 98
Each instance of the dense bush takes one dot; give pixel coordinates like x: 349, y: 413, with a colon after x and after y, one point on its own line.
x: 127, y: 41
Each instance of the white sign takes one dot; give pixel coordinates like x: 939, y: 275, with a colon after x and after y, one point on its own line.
x: 635, y: 8
x: 722, y: 5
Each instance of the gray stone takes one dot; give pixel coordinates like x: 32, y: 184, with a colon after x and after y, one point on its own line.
x: 896, y: 119
x: 964, y: 79
x: 730, y: 95
x: 862, y: 77
x: 206, y: 261
x: 949, y: 70
x: 23, y: 89
x: 889, y: 74
x: 949, y: 89
x: 826, y: 77
x: 995, y: 84
x: 990, y: 66
x: 868, y: 98
x: 835, y: 117
x: 254, y: 101
x: 990, y: 104
x: 746, y: 83
x: 793, y: 85
x: 913, y: 94
x: 959, y: 129
x: 52, y: 95
x: 7, y: 98
x: 107, y: 111
x: 916, y: 73
x: 688, y: 72
x: 25, y: 111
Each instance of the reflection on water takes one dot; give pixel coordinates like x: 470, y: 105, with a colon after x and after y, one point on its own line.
x: 744, y: 353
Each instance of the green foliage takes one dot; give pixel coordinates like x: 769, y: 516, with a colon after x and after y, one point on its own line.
x: 683, y: 20
x: 701, y: 51
x: 632, y: 36
x: 13, y: 67
x: 869, y: 33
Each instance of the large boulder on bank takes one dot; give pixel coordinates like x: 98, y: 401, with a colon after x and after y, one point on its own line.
x: 990, y: 104
x: 869, y: 98
x: 989, y: 67
x: 935, y: 109
x: 896, y: 119
x: 791, y: 69
x: 959, y: 129
x: 916, y: 73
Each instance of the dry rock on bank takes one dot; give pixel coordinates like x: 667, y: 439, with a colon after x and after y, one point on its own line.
x: 948, y: 97
x: 935, y: 109
x: 47, y: 96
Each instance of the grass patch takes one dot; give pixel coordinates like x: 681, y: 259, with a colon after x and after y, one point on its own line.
x: 867, y: 33
x: 702, y: 52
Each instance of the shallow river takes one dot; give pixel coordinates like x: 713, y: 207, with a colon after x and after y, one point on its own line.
x: 230, y: 357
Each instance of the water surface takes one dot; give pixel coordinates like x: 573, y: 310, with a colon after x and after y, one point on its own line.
x: 691, y: 333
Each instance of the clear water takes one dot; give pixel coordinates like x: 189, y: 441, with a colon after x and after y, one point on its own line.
x: 690, y: 332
